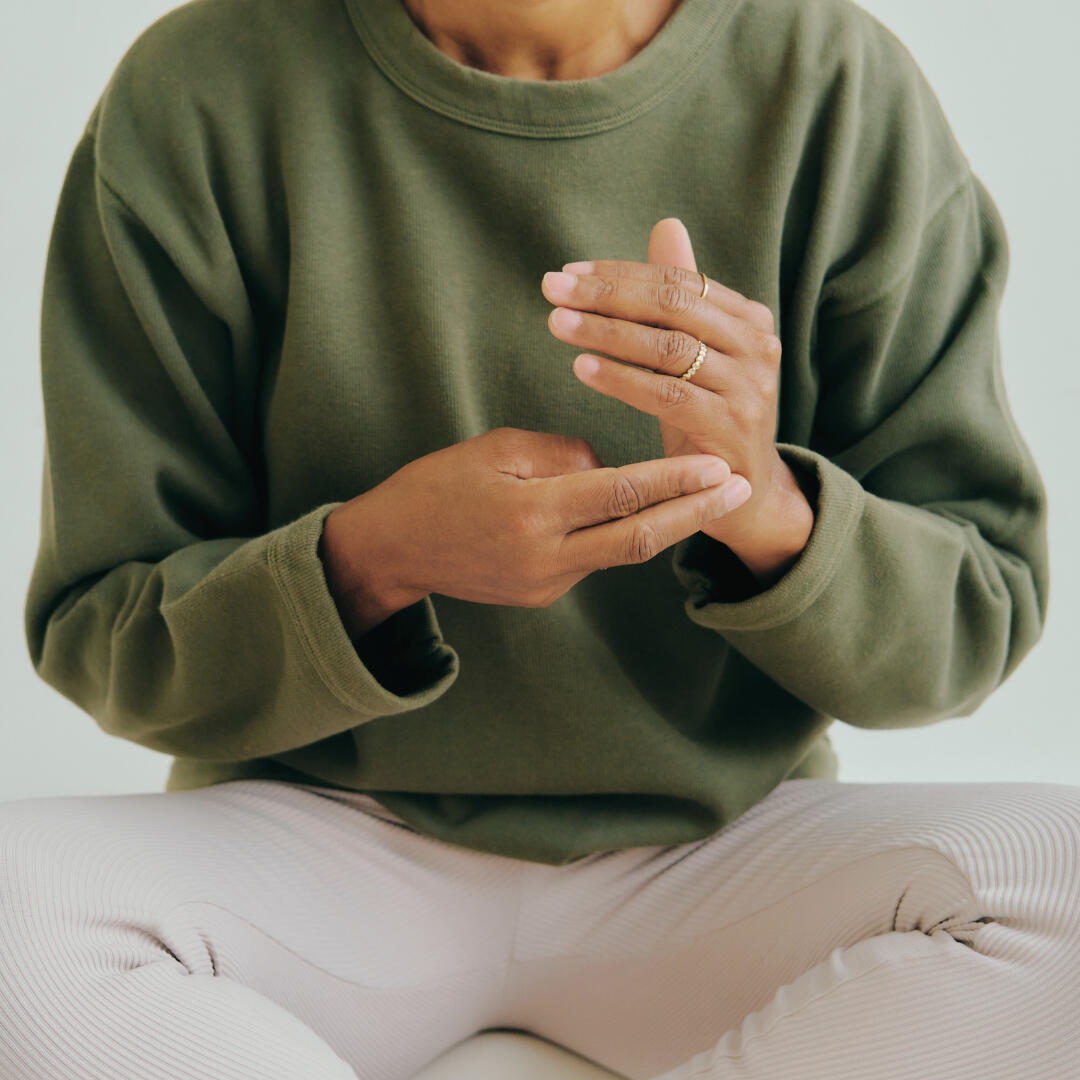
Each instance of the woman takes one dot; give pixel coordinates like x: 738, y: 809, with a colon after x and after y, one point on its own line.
x: 488, y: 708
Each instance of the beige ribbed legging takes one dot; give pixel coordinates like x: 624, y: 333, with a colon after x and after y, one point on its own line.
x: 261, y: 930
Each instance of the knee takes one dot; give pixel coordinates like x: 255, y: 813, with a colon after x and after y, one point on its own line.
x: 74, y: 893
x: 33, y: 900
x: 37, y: 857
x: 30, y: 856
x: 63, y: 863
x: 1050, y: 825
x: 1017, y: 847
x: 1033, y: 832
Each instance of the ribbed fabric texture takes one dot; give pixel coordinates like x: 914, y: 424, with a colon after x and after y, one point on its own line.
x: 298, y: 247
x: 263, y: 930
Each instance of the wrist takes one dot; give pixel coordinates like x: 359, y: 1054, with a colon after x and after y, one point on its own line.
x: 770, y: 543
x: 359, y: 576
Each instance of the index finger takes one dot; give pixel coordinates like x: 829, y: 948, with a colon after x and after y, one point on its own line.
x: 593, y: 496
x: 730, y: 300
x: 637, y: 536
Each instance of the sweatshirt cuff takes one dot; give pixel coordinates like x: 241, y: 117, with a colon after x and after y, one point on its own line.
x: 705, y: 566
x: 413, y: 661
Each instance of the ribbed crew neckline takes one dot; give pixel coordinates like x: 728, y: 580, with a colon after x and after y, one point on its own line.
x: 537, y: 108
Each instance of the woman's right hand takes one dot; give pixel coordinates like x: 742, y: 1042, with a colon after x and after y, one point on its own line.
x: 515, y: 517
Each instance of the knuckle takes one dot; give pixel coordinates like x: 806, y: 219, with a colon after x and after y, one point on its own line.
x: 763, y: 315
x: 675, y: 275
x: 505, y: 442
x: 673, y: 299
x: 674, y: 348
x: 671, y: 392
x: 623, y: 497
x: 642, y: 543
x: 771, y: 347
x: 606, y: 288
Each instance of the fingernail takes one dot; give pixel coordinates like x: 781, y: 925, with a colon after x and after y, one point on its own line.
x: 737, y: 492
x: 559, y: 285
x: 578, y: 268
x: 566, y: 318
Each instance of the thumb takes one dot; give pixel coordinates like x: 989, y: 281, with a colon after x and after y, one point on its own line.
x: 669, y: 244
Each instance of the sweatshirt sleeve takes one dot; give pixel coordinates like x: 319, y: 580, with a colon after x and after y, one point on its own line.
x: 925, y: 579
x: 160, y: 602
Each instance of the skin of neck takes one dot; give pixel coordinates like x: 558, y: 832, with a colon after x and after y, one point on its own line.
x: 540, y: 39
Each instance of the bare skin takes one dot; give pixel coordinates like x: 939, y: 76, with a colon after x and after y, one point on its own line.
x: 541, y: 39
x: 581, y: 39
x: 510, y: 517
x: 653, y: 316
x: 518, y: 517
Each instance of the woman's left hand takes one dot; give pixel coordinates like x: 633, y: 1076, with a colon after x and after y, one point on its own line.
x: 652, y: 316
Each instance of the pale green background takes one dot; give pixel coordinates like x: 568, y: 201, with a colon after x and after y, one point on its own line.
x: 1006, y: 76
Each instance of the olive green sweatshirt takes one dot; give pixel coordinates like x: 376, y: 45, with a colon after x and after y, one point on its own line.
x: 298, y: 246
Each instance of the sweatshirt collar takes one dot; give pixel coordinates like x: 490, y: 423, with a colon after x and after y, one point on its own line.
x: 537, y: 108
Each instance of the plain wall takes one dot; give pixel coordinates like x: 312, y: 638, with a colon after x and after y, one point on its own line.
x: 1005, y: 76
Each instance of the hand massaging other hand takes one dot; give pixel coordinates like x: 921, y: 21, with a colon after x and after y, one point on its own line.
x: 518, y: 517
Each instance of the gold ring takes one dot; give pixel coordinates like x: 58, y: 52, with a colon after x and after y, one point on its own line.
x: 704, y: 284
x: 698, y: 361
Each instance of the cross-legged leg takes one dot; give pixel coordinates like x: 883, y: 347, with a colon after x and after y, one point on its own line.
x: 252, y: 930
x: 836, y: 931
